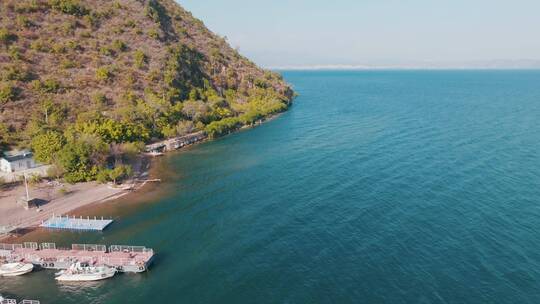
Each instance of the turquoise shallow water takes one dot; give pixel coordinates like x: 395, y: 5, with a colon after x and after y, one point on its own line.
x: 376, y: 187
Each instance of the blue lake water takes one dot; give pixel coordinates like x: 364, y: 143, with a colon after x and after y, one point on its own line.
x: 376, y: 187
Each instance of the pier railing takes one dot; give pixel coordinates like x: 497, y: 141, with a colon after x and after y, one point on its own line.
x: 77, y: 247
x: 13, y: 301
x: 48, y: 255
x: 30, y: 245
x: 45, y: 246
x: 137, y: 249
x: 89, y: 247
x: 10, y: 246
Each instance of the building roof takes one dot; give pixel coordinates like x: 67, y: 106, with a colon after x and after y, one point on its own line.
x: 12, y: 156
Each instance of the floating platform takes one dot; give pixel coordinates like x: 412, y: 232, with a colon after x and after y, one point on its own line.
x: 47, y: 255
x: 74, y: 223
x: 13, y: 301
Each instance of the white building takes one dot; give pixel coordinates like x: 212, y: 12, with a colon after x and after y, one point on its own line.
x: 16, y: 161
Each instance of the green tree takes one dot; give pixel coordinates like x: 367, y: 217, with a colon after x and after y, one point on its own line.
x: 51, y: 86
x: 34, y: 179
x: 104, y: 73
x: 8, y: 92
x: 222, y: 127
x: 120, y: 172
x: 14, y: 53
x: 103, y: 176
x: 71, y: 7
x: 82, y: 158
x: 55, y: 171
x: 15, y: 73
x: 140, y: 58
x: 4, y: 137
x: 119, y: 45
x: 196, y: 110
x: 130, y: 150
x: 46, y: 145
x: 6, y: 37
x: 184, y: 127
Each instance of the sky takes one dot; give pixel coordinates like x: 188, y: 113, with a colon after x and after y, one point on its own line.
x: 302, y: 33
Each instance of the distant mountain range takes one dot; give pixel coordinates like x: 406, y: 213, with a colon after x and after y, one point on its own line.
x: 434, y: 65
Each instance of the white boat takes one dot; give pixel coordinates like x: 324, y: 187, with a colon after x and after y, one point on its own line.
x: 15, y: 269
x: 84, y: 273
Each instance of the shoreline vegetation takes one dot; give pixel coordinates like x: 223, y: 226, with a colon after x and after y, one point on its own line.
x: 84, y: 197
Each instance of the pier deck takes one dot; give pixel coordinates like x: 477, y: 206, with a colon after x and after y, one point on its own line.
x: 13, y: 301
x: 46, y: 255
x: 73, y: 223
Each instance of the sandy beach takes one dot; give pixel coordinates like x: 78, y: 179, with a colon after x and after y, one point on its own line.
x: 61, y: 198
x: 58, y: 201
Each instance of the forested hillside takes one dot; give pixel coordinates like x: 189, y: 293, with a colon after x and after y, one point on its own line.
x: 83, y: 80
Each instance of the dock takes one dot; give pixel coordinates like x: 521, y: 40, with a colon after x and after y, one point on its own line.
x: 13, y: 301
x: 74, y: 223
x: 176, y: 142
x: 47, y: 255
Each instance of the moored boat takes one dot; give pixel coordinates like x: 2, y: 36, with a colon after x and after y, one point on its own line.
x: 15, y: 269
x: 83, y: 273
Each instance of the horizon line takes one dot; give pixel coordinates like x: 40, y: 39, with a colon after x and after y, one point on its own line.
x: 330, y: 68
x: 501, y: 64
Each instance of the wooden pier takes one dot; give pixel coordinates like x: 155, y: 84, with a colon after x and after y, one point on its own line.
x: 47, y: 255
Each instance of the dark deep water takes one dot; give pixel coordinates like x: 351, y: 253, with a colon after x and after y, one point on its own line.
x: 376, y: 187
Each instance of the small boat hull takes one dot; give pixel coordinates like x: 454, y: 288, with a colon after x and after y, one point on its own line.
x: 15, y: 269
x: 82, y: 278
x: 85, y: 274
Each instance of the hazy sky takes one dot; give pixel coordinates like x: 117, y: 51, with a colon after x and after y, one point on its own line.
x: 313, y: 32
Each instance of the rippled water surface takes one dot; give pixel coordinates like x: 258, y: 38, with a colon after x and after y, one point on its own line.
x: 376, y: 187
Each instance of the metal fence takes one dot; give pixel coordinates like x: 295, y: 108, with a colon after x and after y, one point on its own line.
x: 30, y: 245
x: 136, y: 249
x: 45, y: 246
x: 10, y: 246
x: 89, y: 247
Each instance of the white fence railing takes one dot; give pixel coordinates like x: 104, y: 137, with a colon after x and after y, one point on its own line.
x: 45, y: 246
x: 10, y: 246
x: 89, y: 247
x: 30, y: 245
x: 79, y: 247
x: 136, y: 249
